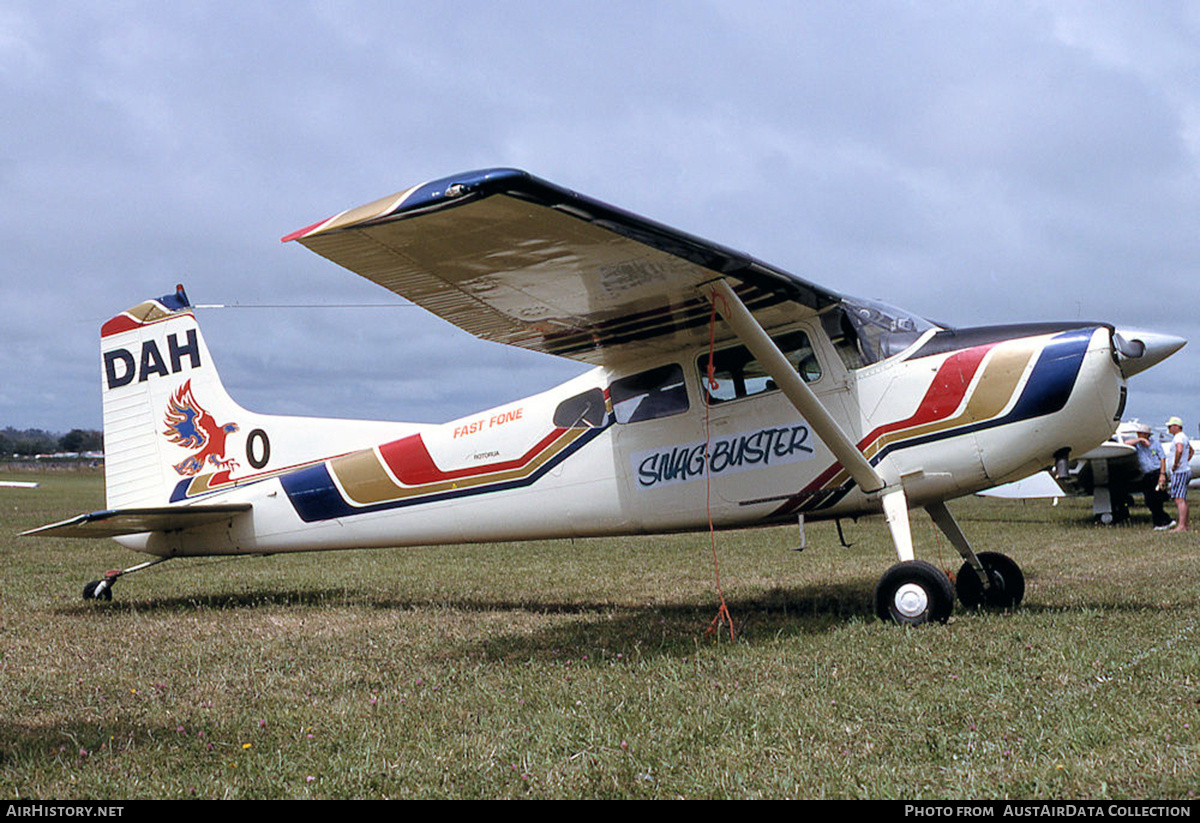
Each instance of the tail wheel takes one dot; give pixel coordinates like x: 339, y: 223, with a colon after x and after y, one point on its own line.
x: 1007, y: 583
x: 98, y: 590
x: 914, y: 592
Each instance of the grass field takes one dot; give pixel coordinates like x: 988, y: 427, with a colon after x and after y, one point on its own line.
x: 582, y: 669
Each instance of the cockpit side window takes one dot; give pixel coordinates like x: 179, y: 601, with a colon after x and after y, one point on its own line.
x: 736, y: 372
x: 649, y: 395
x: 882, y: 330
x: 836, y: 324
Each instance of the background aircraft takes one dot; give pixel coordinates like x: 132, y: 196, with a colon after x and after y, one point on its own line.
x: 1110, y: 474
x: 726, y: 393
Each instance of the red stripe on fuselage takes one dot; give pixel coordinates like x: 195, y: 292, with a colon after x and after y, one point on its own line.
x: 944, y: 395
x: 411, y: 463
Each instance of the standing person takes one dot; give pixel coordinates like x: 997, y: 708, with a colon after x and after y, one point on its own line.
x: 1152, y: 462
x: 1181, y: 472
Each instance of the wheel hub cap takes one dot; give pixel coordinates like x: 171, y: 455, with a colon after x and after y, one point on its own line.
x: 911, y: 600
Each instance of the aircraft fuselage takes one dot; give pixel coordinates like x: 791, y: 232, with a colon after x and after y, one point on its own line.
x: 623, y: 452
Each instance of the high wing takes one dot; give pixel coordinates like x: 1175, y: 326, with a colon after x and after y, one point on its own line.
x: 514, y: 259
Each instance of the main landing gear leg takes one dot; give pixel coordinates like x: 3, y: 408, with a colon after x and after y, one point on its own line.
x: 988, y: 579
x: 102, y: 589
x: 911, y: 592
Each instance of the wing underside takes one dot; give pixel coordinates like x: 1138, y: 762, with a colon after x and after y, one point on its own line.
x: 514, y: 259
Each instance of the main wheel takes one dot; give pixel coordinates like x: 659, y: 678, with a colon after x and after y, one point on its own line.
x: 1007, y: 587
x: 914, y: 592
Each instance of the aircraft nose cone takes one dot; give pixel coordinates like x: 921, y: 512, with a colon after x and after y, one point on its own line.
x: 1138, y: 350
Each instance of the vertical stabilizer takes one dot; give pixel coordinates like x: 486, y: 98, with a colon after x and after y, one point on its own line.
x: 173, y: 435
x: 166, y: 414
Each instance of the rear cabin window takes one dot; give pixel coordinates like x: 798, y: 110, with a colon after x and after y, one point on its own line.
x: 649, y: 395
x: 582, y: 411
x: 736, y: 372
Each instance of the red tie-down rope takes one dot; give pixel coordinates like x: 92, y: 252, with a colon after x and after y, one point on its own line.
x: 723, y: 614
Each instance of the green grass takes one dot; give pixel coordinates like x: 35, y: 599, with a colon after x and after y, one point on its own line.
x: 583, y: 669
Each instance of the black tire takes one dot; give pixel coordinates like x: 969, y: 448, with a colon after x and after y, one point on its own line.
x: 89, y: 591
x: 914, y: 592
x: 1007, y: 583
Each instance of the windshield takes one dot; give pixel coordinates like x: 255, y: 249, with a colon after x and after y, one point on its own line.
x: 883, y: 330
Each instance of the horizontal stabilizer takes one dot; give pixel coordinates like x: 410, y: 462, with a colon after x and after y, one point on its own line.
x: 136, y: 521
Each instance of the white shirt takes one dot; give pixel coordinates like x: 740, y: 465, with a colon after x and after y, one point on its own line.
x: 1184, y: 455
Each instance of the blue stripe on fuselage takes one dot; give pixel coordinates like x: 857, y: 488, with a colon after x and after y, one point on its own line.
x: 1046, y: 391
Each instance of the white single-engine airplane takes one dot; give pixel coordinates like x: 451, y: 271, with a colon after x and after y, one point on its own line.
x: 725, y: 391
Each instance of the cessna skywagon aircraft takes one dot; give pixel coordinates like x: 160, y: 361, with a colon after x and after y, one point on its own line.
x: 725, y: 391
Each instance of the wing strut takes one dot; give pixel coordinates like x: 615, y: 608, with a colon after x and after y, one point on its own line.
x: 739, y: 318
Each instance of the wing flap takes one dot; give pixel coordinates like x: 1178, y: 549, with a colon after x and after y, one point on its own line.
x: 117, y: 522
x: 514, y: 259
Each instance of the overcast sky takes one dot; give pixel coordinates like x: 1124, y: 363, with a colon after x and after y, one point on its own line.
x: 973, y: 162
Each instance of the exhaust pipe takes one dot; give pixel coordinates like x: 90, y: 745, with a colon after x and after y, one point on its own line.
x: 1062, y: 466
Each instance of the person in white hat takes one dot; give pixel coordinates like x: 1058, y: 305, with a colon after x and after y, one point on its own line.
x: 1152, y: 462
x: 1181, y: 472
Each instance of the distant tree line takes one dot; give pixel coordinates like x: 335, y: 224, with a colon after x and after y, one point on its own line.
x: 28, y: 442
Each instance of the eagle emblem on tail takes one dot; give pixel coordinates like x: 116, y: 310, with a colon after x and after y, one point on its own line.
x: 190, y: 426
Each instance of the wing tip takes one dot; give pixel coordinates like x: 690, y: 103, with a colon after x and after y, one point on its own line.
x: 419, y: 196
x: 298, y: 233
